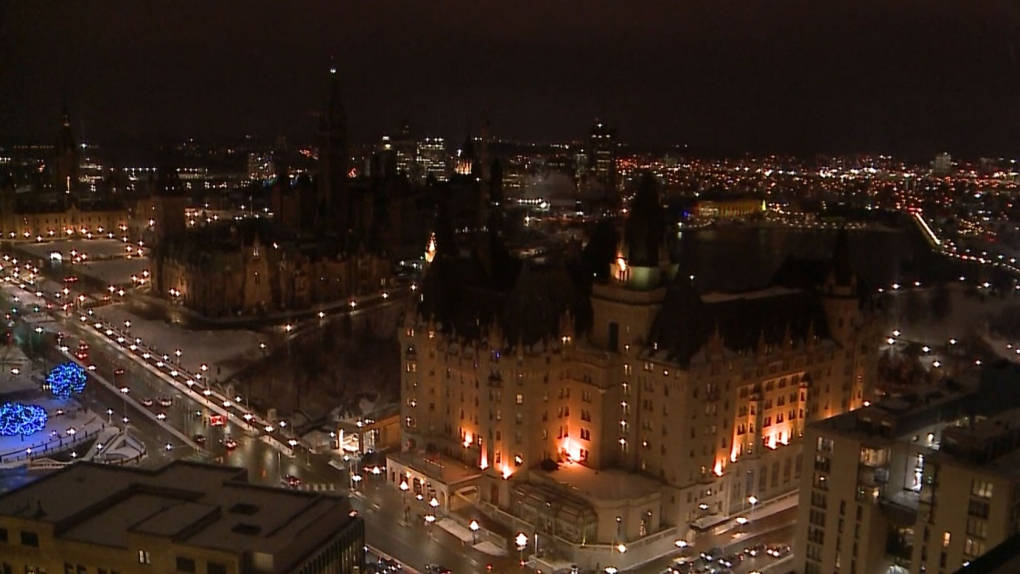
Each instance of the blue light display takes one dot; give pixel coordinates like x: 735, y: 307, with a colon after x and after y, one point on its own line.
x: 66, y: 379
x: 20, y: 419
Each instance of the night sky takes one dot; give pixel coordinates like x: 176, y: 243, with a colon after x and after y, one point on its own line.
x: 911, y: 76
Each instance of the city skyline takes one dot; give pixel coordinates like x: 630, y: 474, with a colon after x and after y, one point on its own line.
x: 749, y: 79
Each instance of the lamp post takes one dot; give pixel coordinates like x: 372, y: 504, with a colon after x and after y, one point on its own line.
x: 124, y: 392
x: 403, y: 498
x: 474, y: 532
x: 434, y: 504
x: 522, y: 542
x: 753, y: 500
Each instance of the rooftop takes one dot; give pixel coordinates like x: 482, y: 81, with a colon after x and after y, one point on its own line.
x: 195, y: 504
x: 438, y: 467
x: 604, y: 484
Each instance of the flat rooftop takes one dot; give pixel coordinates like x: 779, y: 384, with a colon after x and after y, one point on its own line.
x: 195, y: 504
x: 604, y: 484
x: 446, y: 470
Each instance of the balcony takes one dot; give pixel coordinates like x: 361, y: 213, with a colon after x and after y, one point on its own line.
x: 871, y: 477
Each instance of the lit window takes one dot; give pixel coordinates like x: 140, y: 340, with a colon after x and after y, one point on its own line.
x: 946, y: 537
x: 143, y: 557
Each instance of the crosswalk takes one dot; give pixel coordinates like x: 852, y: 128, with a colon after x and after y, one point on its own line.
x: 318, y: 486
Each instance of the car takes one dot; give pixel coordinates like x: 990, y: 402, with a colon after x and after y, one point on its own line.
x: 389, y: 565
x: 161, y: 416
x: 755, y: 550
x: 199, y: 438
x: 292, y: 481
x: 147, y: 402
x: 712, y: 554
x: 230, y: 444
x: 731, y: 560
x: 165, y: 401
x: 778, y: 550
x: 437, y: 569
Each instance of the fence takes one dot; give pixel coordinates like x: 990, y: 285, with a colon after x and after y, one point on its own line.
x: 54, y: 445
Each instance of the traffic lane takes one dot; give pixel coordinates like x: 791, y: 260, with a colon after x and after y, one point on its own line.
x: 415, y: 543
x: 773, y: 529
x: 265, y: 464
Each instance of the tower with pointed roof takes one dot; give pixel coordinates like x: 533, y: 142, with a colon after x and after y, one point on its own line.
x: 332, y: 205
x: 65, y: 160
x: 625, y: 306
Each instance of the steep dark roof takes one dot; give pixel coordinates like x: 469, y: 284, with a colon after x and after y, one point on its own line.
x: 688, y: 320
x: 644, y: 227
x: 527, y: 298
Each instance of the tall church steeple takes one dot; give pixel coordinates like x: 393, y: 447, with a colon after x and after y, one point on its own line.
x: 333, y: 209
x: 65, y: 172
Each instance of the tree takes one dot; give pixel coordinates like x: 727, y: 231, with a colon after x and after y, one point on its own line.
x: 941, y: 302
x: 913, y: 309
x: 66, y: 379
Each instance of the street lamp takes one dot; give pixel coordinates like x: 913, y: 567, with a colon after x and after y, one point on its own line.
x: 434, y: 504
x: 522, y: 543
x: 753, y: 500
x: 474, y: 531
x: 124, y: 392
x: 403, y: 498
x: 356, y: 479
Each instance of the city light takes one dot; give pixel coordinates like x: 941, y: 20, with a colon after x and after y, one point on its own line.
x: 66, y: 379
x: 18, y: 419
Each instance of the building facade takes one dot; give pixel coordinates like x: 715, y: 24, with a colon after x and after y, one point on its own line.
x: 701, y: 399
x: 917, y: 486
x: 249, y: 276
x: 183, y: 517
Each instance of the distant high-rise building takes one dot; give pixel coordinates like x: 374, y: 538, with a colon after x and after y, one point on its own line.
x: 432, y: 157
x: 602, y: 155
x: 942, y: 164
x: 405, y: 150
x: 332, y: 205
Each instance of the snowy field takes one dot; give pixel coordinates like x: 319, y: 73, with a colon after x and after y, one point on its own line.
x: 968, y: 318
x: 115, y: 271
x: 225, y: 351
x: 95, y: 248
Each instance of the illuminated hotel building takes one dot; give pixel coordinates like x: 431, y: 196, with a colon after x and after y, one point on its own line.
x: 694, y: 402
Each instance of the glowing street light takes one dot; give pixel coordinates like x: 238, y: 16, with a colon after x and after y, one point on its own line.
x: 474, y: 531
x: 522, y: 542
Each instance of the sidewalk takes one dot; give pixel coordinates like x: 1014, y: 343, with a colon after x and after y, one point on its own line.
x: 465, y: 536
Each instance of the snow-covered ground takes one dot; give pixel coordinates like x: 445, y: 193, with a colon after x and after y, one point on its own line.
x: 115, y: 271
x: 95, y: 248
x: 967, y: 318
x: 224, y: 351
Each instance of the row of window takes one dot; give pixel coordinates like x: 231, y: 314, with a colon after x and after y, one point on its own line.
x: 28, y: 538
